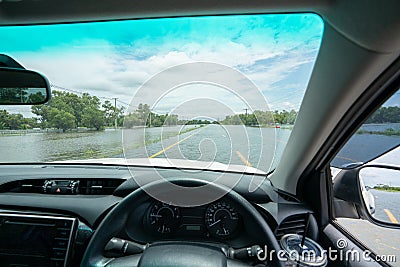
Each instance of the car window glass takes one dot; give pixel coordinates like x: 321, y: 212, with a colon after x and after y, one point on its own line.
x: 379, y: 133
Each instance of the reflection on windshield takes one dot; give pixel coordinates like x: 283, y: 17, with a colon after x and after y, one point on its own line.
x: 22, y: 95
x: 224, y: 89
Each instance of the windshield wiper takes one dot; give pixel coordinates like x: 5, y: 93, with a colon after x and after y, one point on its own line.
x: 270, y: 172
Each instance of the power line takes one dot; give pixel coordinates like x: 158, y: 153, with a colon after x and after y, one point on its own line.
x: 122, y: 102
x: 115, y: 112
x: 81, y: 93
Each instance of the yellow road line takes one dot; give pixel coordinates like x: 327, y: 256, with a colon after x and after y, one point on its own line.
x: 243, y: 158
x: 391, y: 216
x: 171, y: 146
x: 386, y: 245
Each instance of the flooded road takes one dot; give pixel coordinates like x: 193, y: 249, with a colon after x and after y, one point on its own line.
x: 229, y: 144
x: 258, y: 147
x: 225, y: 144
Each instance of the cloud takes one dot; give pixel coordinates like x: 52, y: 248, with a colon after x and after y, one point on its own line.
x: 264, y: 50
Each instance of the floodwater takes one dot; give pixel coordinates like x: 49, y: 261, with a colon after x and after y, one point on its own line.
x: 258, y: 147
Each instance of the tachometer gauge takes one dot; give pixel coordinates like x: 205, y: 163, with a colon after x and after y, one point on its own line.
x: 164, y: 218
x: 221, y: 219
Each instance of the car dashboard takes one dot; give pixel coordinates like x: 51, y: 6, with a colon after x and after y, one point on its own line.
x: 44, y: 201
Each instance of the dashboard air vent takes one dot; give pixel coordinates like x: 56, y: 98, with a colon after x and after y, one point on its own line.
x: 98, y: 186
x: 23, y: 186
x: 91, y: 186
x: 291, y: 225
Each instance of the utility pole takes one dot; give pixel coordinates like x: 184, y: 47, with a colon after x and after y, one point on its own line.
x: 150, y: 119
x: 246, y: 109
x: 115, y: 113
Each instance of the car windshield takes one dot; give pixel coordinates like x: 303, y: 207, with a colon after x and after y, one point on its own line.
x: 222, y: 89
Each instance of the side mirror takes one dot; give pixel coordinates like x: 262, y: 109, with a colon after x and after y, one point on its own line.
x: 23, y: 87
x: 370, y: 192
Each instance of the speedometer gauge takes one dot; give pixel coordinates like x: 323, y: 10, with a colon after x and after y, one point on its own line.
x: 221, y: 219
x: 164, y: 218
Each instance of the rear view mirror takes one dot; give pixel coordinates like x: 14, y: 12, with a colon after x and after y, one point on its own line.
x: 23, y: 87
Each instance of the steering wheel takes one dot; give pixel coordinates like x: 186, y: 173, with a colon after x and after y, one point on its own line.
x: 176, y: 254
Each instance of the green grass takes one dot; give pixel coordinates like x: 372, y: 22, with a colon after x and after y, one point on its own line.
x: 387, y: 132
x: 387, y: 188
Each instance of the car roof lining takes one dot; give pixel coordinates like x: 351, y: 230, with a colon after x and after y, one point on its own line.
x: 360, y: 41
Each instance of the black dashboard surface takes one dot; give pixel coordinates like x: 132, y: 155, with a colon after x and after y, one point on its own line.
x: 91, y: 208
x: 217, y: 222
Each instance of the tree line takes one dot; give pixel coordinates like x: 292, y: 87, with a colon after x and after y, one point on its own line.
x: 385, y: 115
x: 143, y: 116
x: 11, y: 121
x: 67, y: 111
x: 261, y: 118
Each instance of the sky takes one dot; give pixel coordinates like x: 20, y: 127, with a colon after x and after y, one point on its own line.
x: 375, y: 176
x: 266, y: 60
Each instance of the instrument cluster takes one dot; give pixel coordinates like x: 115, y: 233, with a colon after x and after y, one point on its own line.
x: 219, y: 219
